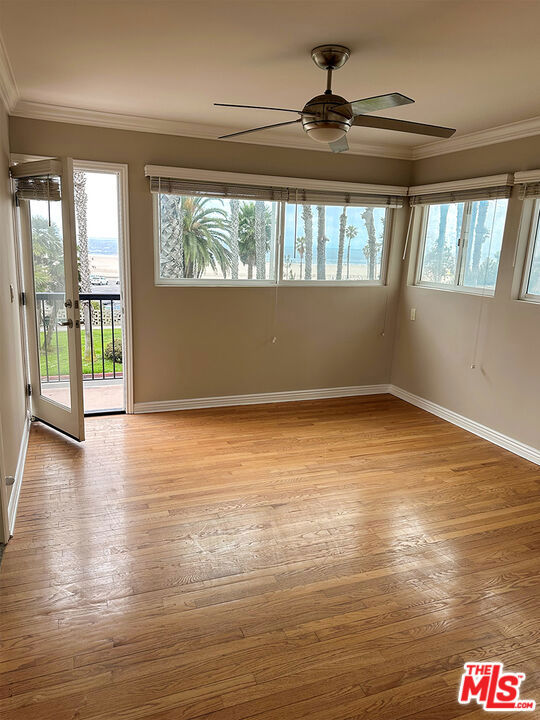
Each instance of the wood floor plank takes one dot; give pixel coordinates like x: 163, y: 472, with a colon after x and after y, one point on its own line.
x: 332, y: 559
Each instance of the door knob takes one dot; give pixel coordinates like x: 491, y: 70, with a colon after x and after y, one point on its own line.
x: 66, y: 323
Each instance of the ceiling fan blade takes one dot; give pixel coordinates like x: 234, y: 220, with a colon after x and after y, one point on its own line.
x: 378, y: 102
x: 384, y: 123
x: 263, y: 127
x: 340, y: 145
x: 262, y: 107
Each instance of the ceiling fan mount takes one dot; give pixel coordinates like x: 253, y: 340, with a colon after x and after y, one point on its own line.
x: 319, y: 120
x: 327, y: 118
x: 330, y: 57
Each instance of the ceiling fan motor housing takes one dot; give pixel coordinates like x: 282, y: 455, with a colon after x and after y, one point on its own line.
x: 326, y: 118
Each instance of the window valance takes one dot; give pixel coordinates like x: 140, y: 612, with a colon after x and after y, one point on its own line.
x: 492, y: 187
x: 189, y: 182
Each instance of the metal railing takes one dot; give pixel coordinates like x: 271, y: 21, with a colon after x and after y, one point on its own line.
x: 100, y: 317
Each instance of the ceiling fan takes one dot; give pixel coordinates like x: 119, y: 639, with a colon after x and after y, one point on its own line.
x: 328, y: 118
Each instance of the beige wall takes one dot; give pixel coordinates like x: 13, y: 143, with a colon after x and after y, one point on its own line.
x: 201, y: 342
x: 197, y: 342
x: 12, y: 399
x: 434, y: 353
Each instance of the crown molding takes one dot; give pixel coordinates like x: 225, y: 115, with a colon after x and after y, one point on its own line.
x: 118, y: 121
x: 98, y: 118
x: 491, y: 136
x: 9, y: 92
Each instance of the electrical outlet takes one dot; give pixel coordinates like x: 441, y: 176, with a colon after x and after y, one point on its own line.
x: 413, y: 314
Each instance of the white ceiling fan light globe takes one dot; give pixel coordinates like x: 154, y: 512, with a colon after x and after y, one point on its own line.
x: 326, y: 134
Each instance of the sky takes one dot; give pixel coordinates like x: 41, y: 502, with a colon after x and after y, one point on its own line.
x: 102, y: 191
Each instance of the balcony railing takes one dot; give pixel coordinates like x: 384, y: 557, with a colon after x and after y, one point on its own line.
x: 101, y: 336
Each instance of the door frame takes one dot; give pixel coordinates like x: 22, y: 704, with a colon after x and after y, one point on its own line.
x: 121, y: 171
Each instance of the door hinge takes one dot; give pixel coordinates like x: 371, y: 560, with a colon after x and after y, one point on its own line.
x: 23, y: 298
x: 29, y: 390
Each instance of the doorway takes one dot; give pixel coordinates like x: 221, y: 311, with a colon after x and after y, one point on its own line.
x: 103, y: 271
x: 75, y: 260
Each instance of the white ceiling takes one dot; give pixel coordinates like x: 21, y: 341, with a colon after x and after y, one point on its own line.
x: 470, y: 64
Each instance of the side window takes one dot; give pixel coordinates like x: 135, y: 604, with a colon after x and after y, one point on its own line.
x: 531, y: 284
x: 461, y: 244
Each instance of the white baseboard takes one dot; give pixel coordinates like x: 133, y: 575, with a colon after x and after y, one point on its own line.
x: 16, y: 487
x: 518, y: 448
x: 259, y: 398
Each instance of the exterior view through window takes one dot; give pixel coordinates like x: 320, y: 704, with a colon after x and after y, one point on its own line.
x: 207, y: 238
x: 326, y: 242
x: 49, y: 286
x: 222, y: 239
x: 532, y: 283
x: 461, y: 243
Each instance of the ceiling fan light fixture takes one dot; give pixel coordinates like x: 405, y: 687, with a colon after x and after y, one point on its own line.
x: 327, y: 118
x: 326, y: 134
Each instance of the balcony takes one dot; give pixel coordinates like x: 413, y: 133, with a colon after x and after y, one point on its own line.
x: 101, y: 348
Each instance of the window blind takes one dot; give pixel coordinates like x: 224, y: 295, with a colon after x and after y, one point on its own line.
x: 173, y: 186
x: 187, y: 181
x: 321, y: 197
x: 488, y: 188
x: 38, y: 188
x: 529, y: 184
x: 529, y: 190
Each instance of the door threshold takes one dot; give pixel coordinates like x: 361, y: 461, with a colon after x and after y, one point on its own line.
x: 92, y: 413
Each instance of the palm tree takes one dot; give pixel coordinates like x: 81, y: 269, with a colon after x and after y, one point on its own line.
x: 246, y: 234
x: 201, y: 234
x: 300, y: 246
x: 372, y: 247
x: 351, y: 232
x: 260, y: 240
x: 172, y: 236
x: 85, y: 285
x: 307, y: 216
x: 321, y: 242
x: 47, y: 253
x: 341, y: 244
x: 233, y: 242
x: 480, y: 236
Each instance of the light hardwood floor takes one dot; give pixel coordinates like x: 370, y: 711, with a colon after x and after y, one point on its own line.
x: 323, y: 560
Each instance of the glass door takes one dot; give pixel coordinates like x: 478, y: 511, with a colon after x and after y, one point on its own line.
x: 44, y: 192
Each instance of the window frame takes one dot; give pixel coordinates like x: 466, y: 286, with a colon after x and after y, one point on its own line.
x: 533, y: 237
x: 462, y: 247
x: 213, y: 282
x: 277, y: 280
x: 387, y: 236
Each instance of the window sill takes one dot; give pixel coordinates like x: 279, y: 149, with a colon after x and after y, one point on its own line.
x: 269, y: 283
x: 215, y: 283
x: 532, y: 299
x: 331, y: 283
x: 461, y: 289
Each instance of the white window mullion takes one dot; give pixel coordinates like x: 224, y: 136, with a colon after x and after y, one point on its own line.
x: 280, y: 240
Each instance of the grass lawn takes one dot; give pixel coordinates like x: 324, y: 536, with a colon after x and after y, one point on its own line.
x: 52, y: 355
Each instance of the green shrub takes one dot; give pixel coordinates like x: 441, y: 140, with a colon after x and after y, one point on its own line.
x: 114, y: 353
